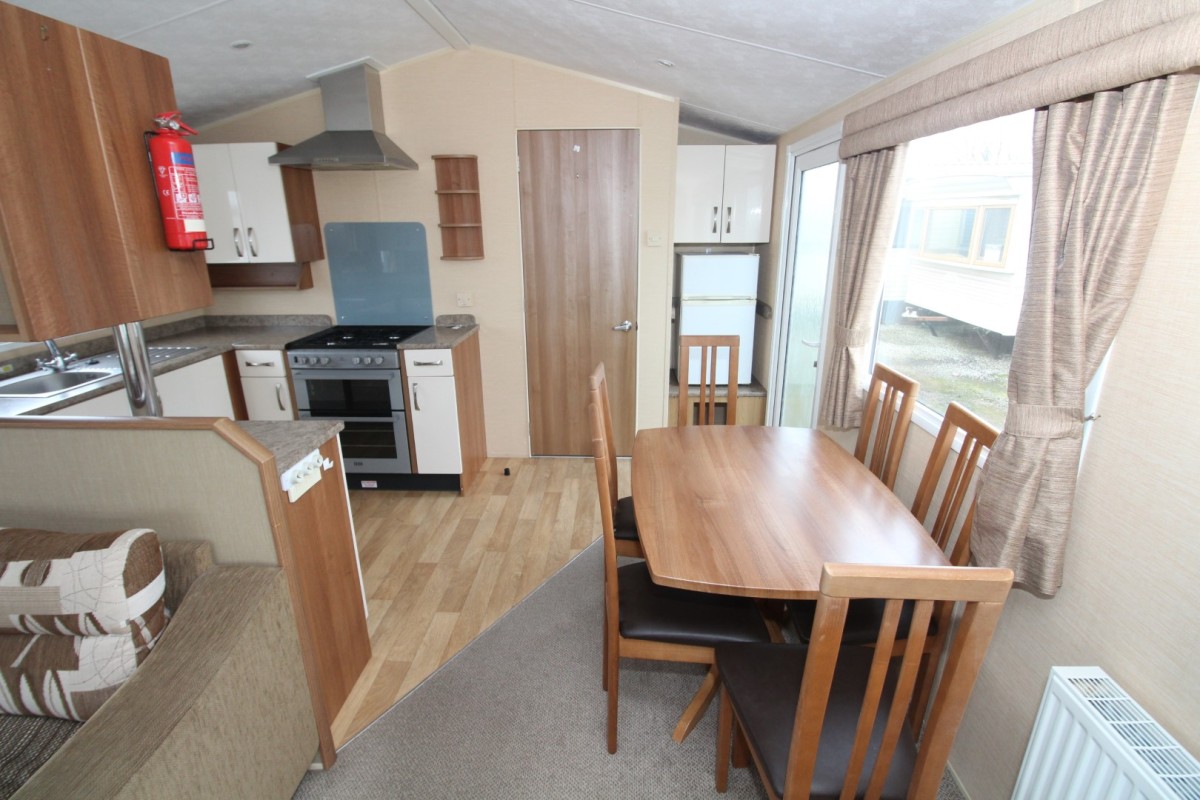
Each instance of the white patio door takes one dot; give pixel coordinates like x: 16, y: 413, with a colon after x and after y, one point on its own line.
x: 812, y: 233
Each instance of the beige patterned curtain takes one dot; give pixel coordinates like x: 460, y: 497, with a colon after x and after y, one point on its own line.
x: 1102, y: 166
x: 872, y: 188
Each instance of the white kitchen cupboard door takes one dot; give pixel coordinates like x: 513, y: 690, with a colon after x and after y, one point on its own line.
x: 245, y: 209
x: 219, y: 199
x: 197, y: 390
x: 749, y: 183
x: 723, y: 194
x: 433, y: 410
x: 268, y: 230
x: 267, y: 398
x: 113, y: 404
x: 699, y: 182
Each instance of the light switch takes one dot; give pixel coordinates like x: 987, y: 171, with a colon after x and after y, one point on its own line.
x: 654, y: 239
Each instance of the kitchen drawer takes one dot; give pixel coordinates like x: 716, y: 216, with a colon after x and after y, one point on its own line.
x: 427, y: 363
x: 261, y: 363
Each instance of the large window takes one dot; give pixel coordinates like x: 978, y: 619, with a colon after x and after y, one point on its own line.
x: 956, y: 272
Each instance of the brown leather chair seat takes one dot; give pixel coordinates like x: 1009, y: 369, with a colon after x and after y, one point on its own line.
x: 862, y: 620
x: 624, y: 521
x: 764, y: 683
x: 660, y: 613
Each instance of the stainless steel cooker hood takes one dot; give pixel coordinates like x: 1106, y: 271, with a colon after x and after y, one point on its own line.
x: 354, y: 138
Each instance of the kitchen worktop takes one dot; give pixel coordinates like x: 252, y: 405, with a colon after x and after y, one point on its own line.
x: 215, y: 335
x: 291, y: 441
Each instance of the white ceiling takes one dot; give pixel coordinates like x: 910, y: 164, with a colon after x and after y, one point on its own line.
x: 749, y: 68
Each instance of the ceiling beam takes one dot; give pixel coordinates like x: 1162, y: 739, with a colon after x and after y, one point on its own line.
x: 435, y: 19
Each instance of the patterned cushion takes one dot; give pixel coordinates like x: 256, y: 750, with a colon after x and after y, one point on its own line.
x: 78, y: 613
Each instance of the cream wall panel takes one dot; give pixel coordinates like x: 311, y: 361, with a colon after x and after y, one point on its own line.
x: 183, y: 484
x: 473, y: 102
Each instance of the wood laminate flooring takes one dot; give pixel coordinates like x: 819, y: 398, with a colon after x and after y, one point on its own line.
x: 439, y: 568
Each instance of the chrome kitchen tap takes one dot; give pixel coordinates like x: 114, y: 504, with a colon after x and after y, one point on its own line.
x: 57, y: 361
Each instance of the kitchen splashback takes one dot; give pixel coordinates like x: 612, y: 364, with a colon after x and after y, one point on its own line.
x: 379, y: 272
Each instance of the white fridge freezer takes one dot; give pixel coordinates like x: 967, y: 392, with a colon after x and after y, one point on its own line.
x: 717, y: 297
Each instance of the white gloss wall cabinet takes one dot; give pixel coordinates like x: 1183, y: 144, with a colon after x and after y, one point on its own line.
x: 265, y: 384
x: 244, y: 205
x: 723, y: 193
x: 433, y: 412
x: 262, y: 218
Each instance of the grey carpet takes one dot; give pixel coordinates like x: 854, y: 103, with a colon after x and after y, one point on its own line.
x: 519, y: 713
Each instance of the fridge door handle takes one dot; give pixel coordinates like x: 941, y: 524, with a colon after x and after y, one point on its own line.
x: 625, y: 326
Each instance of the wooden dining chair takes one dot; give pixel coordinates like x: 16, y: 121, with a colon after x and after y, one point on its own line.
x: 951, y: 527
x: 827, y: 721
x: 891, y: 398
x: 624, y: 520
x: 644, y: 620
x: 706, y: 406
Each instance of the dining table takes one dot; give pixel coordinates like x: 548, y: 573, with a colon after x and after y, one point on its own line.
x: 757, y: 511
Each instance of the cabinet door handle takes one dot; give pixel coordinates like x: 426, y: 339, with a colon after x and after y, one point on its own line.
x: 237, y: 243
x: 279, y: 396
x: 416, y: 400
x: 437, y: 363
x: 252, y: 241
x: 729, y: 219
x: 716, y: 217
x: 259, y: 363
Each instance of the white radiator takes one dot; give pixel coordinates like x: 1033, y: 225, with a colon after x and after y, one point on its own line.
x: 1092, y: 741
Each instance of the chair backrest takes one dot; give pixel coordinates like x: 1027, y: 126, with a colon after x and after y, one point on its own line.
x: 598, y: 394
x: 607, y: 504
x: 957, y: 491
x: 707, y: 404
x: 981, y: 592
x: 891, y: 398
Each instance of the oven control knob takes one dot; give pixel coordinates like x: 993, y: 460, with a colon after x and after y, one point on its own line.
x: 378, y: 359
x: 357, y: 360
x: 324, y: 359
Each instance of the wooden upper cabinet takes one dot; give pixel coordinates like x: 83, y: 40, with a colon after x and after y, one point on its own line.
x: 81, y: 242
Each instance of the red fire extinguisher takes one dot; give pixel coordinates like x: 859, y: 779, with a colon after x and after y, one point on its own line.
x: 174, y: 169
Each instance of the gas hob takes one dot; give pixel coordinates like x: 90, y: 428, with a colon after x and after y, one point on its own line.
x: 352, y: 347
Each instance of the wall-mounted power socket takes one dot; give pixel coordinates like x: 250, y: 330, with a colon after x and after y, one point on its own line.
x: 464, y: 300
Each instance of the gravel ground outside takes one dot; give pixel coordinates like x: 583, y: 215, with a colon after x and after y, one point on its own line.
x: 952, y: 361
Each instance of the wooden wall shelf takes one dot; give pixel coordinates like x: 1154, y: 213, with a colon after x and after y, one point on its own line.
x: 459, y: 207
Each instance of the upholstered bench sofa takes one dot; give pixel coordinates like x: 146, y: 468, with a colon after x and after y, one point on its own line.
x: 219, y: 708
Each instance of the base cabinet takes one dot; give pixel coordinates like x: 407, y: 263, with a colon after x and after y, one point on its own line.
x: 197, y: 390
x: 444, y: 400
x: 265, y: 385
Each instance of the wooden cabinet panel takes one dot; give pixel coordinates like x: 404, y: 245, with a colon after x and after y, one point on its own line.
x: 82, y: 247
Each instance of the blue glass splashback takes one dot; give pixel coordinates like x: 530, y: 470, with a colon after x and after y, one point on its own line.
x: 379, y: 272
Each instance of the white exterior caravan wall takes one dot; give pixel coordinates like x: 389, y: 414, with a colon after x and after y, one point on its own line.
x: 1133, y: 562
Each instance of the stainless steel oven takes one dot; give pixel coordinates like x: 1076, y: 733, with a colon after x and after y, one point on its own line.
x: 367, y: 397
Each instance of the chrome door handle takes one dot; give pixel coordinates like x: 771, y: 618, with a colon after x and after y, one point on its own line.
x: 237, y: 242
x: 716, y: 217
x: 279, y: 396
x: 259, y: 363
x: 729, y: 219
x: 437, y: 363
x: 252, y: 242
x: 624, y: 326
x: 416, y: 400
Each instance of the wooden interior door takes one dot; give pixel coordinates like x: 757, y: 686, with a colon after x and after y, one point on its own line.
x: 579, y: 229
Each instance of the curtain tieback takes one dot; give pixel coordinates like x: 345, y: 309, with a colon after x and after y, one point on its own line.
x: 849, y: 337
x: 1044, y: 422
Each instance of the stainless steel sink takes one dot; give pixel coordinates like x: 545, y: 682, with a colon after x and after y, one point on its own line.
x: 45, y: 383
